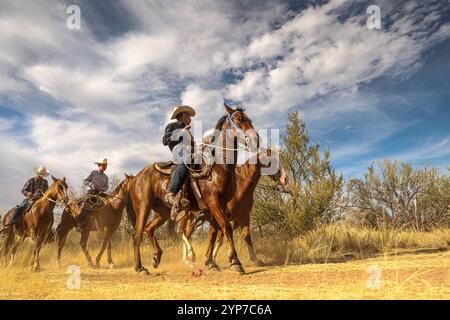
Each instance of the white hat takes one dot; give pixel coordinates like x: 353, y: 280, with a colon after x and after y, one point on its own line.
x: 41, y: 171
x: 102, y: 161
x: 207, y: 137
x: 179, y: 109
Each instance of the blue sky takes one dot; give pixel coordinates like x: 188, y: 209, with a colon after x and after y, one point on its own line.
x: 68, y: 97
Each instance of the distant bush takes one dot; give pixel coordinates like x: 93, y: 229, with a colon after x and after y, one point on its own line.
x: 401, y: 197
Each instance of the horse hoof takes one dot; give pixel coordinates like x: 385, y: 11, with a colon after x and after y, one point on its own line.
x: 36, y: 268
x: 258, y: 263
x: 143, y: 272
x: 111, y: 266
x: 238, y: 268
x: 155, y: 262
x: 213, y: 267
x: 97, y: 266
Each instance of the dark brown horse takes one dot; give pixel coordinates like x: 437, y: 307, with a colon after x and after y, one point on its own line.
x: 36, y: 223
x: 147, y: 192
x: 239, y: 207
x: 106, y: 220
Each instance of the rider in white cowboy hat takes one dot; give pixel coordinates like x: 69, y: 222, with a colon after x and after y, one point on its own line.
x: 97, y: 184
x: 174, y: 138
x: 33, y: 189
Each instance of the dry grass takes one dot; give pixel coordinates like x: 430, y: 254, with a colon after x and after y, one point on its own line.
x: 339, y: 243
x: 418, y: 276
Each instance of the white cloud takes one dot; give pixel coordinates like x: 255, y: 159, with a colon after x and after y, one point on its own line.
x: 114, y: 95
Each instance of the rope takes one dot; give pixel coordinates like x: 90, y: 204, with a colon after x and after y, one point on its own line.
x: 56, y: 202
x: 93, y: 202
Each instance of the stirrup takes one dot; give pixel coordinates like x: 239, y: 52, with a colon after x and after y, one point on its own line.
x: 203, y: 214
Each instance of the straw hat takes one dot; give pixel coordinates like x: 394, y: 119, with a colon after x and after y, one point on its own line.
x: 41, y: 171
x: 179, y: 109
x: 102, y: 161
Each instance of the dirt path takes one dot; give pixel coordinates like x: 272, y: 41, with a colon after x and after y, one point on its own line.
x: 418, y: 276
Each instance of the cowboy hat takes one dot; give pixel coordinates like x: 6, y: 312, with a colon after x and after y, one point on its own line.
x: 179, y: 109
x: 102, y: 161
x: 41, y: 171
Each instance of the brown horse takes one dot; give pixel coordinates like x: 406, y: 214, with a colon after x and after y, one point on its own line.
x: 147, y: 192
x: 36, y: 223
x: 239, y: 207
x: 106, y: 220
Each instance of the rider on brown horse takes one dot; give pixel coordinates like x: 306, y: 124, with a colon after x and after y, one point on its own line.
x: 33, y: 189
x: 97, y: 183
x: 175, y: 138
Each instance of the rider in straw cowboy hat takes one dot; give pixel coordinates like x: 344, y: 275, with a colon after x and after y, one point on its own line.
x: 174, y: 138
x: 33, y: 189
x: 97, y: 184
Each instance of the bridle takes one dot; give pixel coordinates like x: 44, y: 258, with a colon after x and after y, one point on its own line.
x: 231, y: 123
x: 64, y: 202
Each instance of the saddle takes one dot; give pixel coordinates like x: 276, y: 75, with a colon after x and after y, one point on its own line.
x: 164, y: 167
x: 203, y: 172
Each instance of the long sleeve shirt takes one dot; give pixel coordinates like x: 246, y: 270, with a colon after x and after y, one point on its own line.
x: 170, y: 141
x: 37, y: 186
x: 96, y: 180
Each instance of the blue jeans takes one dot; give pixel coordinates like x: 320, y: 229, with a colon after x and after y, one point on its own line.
x: 17, y: 212
x: 179, y: 175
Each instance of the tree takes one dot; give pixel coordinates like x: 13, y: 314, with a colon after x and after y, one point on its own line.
x: 315, y: 189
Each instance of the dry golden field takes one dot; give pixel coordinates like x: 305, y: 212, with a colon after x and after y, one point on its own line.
x: 401, y: 276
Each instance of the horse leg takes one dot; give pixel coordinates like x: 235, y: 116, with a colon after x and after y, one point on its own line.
x: 37, y: 249
x: 182, y: 226
x: 110, y: 260
x: 218, y: 244
x: 62, y: 232
x: 212, y: 235
x: 14, y: 246
x: 225, y: 226
x: 9, y: 241
x: 251, y: 250
x: 157, y: 221
x: 142, y: 214
x: 83, y: 244
x: 188, y: 251
x: 100, y: 253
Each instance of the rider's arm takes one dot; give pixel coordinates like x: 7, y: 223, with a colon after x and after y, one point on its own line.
x: 26, y: 190
x: 172, y: 133
x: 87, y: 181
x: 44, y: 188
x: 168, y: 134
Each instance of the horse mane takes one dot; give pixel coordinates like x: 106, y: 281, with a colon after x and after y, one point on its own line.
x: 117, y: 188
x: 220, y: 123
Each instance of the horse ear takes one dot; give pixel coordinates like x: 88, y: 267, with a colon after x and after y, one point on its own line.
x: 64, y: 179
x: 126, y: 176
x: 54, y: 179
x: 228, y: 109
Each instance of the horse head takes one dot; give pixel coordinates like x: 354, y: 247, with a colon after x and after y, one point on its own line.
x: 240, y: 125
x: 124, y: 186
x: 269, y: 158
x: 59, y: 186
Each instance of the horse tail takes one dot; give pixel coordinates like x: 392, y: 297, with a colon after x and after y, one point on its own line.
x: 130, y: 211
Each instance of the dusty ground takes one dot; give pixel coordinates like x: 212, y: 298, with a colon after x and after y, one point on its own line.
x: 411, y: 276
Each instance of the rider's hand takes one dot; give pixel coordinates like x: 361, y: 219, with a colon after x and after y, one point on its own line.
x: 29, y: 194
